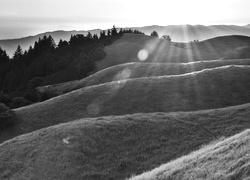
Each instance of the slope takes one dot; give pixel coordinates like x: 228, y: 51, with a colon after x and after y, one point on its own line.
x: 206, y: 89
x: 186, y: 32
x: 226, y: 159
x: 136, y: 70
x: 129, y: 46
x: 115, y: 147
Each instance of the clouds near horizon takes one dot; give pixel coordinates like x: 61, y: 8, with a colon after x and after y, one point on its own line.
x: 27, y: 17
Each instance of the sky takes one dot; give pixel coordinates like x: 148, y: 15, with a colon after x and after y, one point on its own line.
x: 20, y: 18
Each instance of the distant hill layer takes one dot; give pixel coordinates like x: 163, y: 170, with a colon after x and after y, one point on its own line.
x: 226, y: 159
x: 10, y: 45
x: 206, y: 89
x: 116, y: 147
x: 178, y: 33
x: 137, y: 70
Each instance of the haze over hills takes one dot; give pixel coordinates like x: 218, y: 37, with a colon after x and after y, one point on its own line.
x: 178, y: 33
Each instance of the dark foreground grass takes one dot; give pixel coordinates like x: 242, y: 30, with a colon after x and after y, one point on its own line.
x: 115, y: 147
x: 225, y: 159
x: 136, y: 70
x: 208, y: 89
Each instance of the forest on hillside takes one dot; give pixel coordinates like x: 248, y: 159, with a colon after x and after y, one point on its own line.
x: 47, y: 63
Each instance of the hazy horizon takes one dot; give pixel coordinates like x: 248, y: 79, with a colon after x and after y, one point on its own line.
x: 55, y: 30
x: 30, y: 17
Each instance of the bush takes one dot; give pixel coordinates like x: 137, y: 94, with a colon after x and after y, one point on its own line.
x: 31, y: 96
x: 154, y: 34
x: 36, y: 81
x: 5, y: 98
x: 3, y: 108
x: 19, y: 102
x: 7, y: 117
x: 43, y: 96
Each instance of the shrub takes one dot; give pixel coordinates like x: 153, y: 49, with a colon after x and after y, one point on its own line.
x: 43, y: 96
x: 19, y: 102
x: 36, y: 81
x: 31, y: 96
x: 3, y: 108
x: 5, y: 98
x: 7, y: 117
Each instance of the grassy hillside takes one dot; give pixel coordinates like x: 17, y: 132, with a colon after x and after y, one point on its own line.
x: 206, y: 89
x: 226, y: 159
x: 115, y: 147
x: 126, y: 50
x: 136, y: 70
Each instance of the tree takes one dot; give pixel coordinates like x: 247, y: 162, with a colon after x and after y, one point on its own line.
x: 89, y: 35
x: 95, y: 37
x: 108, y: 33
x: 18, y: 53
x: 113, y: 31
x: 102, y: 34
x: 3, y: 56
x: 166, y: 37
x: 154, y: 34
x: 62, y: 43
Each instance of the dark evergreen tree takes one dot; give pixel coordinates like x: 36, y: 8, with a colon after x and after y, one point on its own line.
x: 18, y: 53
x: 121, y: 31
x: 89, y: 35
x: 95, y: 37
x: 3, y: 56
x: 108, y: 33
x: 113, y: 31
x: 62, y: 43
x: 102, y: 34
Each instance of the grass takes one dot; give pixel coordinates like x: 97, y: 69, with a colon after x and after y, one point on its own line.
x: 225, y: 159
x: 137, y: 70
x: 115, y: 147
x: 127, y: 47
x: 207, y: 89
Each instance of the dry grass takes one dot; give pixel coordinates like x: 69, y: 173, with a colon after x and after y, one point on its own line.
x: 211, y: 88
x: 127, y: 47
x: 225, y: 159
x: 137, y: 70
x: 115, y: 147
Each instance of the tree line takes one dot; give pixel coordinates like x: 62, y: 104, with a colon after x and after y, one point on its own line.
x: 48, y: 63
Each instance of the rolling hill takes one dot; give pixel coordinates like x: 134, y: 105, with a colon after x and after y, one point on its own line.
x: 207, y: 89
x: 225, y: 159
x: 186, y: 33
x: 116, y: 147
x: 127, y: 48
x: 136, y: 70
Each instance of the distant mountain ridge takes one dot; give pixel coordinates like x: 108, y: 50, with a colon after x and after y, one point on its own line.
x: 178, y: 33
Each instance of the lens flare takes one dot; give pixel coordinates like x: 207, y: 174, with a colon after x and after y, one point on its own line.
x: 124, y: 74
x: 93, y: 109
x: 142, y: 55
